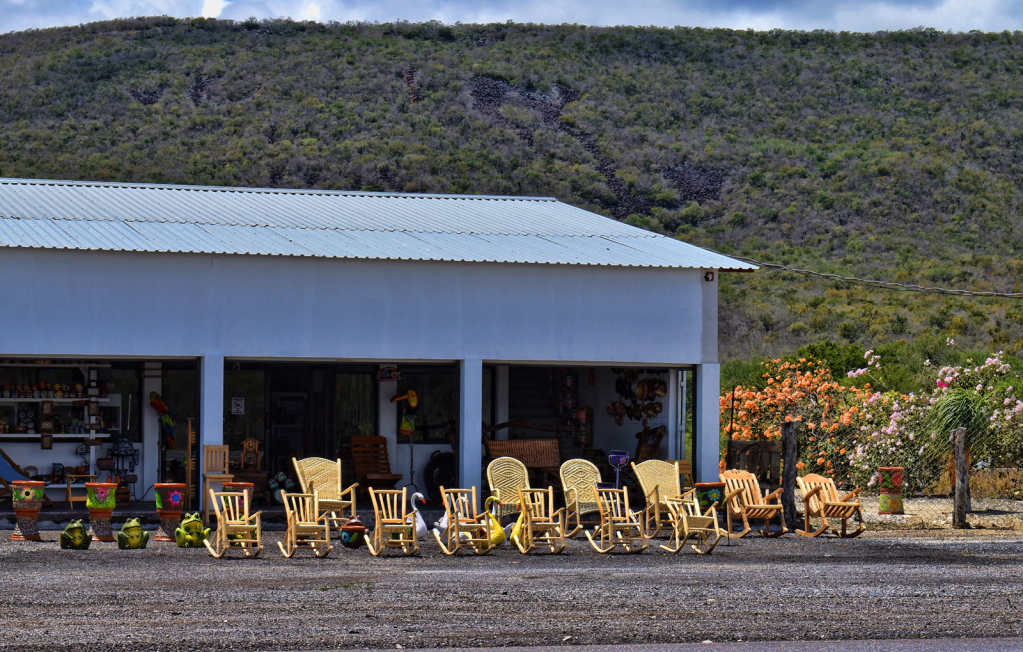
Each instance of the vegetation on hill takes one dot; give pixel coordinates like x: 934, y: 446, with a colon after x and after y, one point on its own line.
x: 893, y: 156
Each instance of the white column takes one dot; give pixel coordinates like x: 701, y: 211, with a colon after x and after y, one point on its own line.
x: 707, y: 426
x: 387, y: 417
x: 152, y: 381
x: 211, y: 409
x: 672, y: 400
x: 501, y: 398
x: 470, y: 418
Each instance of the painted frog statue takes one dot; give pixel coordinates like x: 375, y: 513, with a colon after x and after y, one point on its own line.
x: 132, y: 536
x: 74, y: 537
x: 190, y: 534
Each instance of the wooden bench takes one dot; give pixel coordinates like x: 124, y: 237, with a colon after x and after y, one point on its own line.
x: 371, y: 463
x: 543, y: 455
x: 761, y: 458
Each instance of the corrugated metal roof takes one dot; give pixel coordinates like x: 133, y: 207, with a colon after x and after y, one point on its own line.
x: 333, y: 224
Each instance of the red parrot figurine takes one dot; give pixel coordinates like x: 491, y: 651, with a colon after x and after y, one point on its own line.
x: 163, y: 418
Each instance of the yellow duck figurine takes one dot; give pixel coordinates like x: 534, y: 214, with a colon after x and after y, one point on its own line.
x: 516, y: 532
x: 497, y: 536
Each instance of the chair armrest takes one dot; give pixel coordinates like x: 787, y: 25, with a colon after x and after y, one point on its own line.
x: 810, y: 494
x: 571, y: 496
x: 774, y: 495
x: 733, y: 494
x: 349, y: 490
x: 849, y: 496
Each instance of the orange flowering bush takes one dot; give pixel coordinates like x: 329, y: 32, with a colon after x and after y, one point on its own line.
x: 802, y: 390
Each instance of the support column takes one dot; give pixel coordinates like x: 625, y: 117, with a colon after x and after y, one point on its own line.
x: 211, y: 410
x: 501, y: 398
x: 152, y: 444
x: 470, y: 419
x: 707, y: 440
x: 387, y: 417
x: 672, y: 400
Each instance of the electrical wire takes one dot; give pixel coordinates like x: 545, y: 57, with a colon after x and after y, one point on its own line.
x: 889, y: 285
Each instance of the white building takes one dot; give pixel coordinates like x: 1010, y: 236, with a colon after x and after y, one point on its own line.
x: 291, y: 299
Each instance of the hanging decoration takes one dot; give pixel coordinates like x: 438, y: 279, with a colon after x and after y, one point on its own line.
x: 164, y: 418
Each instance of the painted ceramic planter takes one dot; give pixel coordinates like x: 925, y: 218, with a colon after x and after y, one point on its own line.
x: 241, y: 488
x: 101, y: 500
x: 170, y: 502
x: 353, y: 533
x: 710, y: 492
x: 890, y: 480
x: 28, y: 500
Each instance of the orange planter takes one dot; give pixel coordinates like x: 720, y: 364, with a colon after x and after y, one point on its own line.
x: 101, y: 500
x: 28, y: 500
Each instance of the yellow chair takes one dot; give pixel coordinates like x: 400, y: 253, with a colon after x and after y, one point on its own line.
x: 661, y: 483
x: 307, y: 527
x: 324, y: 477
x: 214, y: 469
x: 619, y: 525
x: 820, y: 500
x: 541, y: 523
x: 465, y: 526
x: 505, y: 475
x: 395, y: 526
x: 689, y: 521
x: 577, y: 480
x: 236, y: 528
x: 743, y: 499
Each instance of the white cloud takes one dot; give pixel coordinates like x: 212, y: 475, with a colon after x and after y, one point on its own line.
x: 213, y: 8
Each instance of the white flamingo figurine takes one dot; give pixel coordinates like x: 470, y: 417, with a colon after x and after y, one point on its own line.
x: 420, y: 523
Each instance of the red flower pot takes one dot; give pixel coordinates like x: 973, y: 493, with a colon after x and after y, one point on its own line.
x: 170, y: 502
x: 101, y: 500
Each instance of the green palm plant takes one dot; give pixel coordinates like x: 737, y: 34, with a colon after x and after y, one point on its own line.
x: 961, y: 408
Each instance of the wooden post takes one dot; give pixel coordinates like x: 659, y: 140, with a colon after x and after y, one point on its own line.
x: 790, y: 456
x: 962, y: 498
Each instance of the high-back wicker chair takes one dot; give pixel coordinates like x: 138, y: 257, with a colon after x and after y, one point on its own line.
x: 743, y: 499
x: 505, y: 475
x: 395, y: 526
x: 466, y: 525
x: 577, y: 480
x: 541, y: 522
x: 820, y: 500
x: 661, y: 483
x: 690, y: 522
x: 619, y: 525
x: 324, y: 477
x: 236, y: 528
x: 307, y: 527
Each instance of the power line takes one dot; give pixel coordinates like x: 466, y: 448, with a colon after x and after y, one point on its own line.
x: 904, y: 287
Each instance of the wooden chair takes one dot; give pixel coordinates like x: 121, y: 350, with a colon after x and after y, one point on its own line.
x: 466, y: 526
x: 307, y: 527
x: 76, y: 481
x: 214, y: 469
x: 761, y: 458
x: 541, y: 523
x: 820, y: 500
x: 371, y: 463
x: 316, y: 474
x: 744, y: 499
x: 236, y: 528
x: 649, y: 443
x: 505, y: 475
x: 395, y: 526
x: 661, y: 483
x: 577, y: 480
x: 619, y: 525
x: 688, y: 521
x: 685, y: 469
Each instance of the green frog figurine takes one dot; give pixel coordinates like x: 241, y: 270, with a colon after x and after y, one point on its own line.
x: 132, y: 536
x: 190, y: 534
x: 74, y: 537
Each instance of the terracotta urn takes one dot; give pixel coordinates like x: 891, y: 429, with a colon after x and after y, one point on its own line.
x: 890, y: 481
x: 170, y: 502
x: 28, y: 500
x: 101, y: 499
x: 353, y: 533
x: 241, y: 488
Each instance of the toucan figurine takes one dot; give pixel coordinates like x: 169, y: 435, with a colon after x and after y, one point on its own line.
x: 408, y: 417
x: 164, y: 418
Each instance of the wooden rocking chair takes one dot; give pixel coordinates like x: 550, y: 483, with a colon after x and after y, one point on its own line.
x: 578, y: 478
x: 505, y: 475
x: 661, y: 483
x: 466, y: 526
x: 541, y: 523
x: 619, y: 525
x: 395, y: 526
x: 324, y: 477
x: 743, y: 499
x: 688, y: 521
x: 307, y: 527
x: 236, y: 528
x: 820, y: 500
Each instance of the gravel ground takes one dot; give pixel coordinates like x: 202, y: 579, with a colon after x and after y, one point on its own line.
x: 988, y: 513
x: 926, y: 584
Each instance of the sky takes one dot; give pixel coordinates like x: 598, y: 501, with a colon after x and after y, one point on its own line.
x: 837, y: 15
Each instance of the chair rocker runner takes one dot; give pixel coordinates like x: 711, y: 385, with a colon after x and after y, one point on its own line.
x: 661, y: 483
x: 466, y: 526
x: 307, y: 527
x: 236, y: 528
x: 820, y: 500
x: 324, y: 477
x: 395, y: 525
x: 619, y: 525
x: 743, y: 499
x: 577, y: 480
x: 541, y: 523
x: 689, y: 522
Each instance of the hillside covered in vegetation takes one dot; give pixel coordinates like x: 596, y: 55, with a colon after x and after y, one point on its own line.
x: 893, y: 156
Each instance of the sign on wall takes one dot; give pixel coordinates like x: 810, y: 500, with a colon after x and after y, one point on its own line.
x: 238, y: 405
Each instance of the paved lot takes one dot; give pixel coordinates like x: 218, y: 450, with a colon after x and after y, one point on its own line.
x: 880, y: 586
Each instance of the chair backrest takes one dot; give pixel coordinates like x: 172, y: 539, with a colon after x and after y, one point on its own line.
x: 214, y: 459
x: 649, y: 442
x: 685, y: 469
x: 537, y: 503
x: 507, y: 474
x: 533, y: 453
x: 580, y: 475
x: 614, y: 504
x: 301, y: 508
x: 459, y: 504
x: 735, y: 479
x: 9, y: 471
x: 761, y: 458
x: 318, y: 474
x: 389, y: 504
x: 660, y: 475
x: 828, y: 493
x: 230, y: 506
x: 369, y: 454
